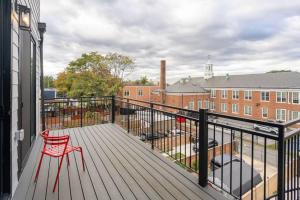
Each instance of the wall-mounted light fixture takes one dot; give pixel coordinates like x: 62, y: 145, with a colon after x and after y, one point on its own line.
x: 24, y: 15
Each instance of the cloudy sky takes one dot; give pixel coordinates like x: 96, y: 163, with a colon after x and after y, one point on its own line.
x: 242, y: 36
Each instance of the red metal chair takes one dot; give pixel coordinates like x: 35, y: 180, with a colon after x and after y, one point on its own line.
x: 57, y: 146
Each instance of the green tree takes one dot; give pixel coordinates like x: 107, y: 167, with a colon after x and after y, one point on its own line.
x: 48, y: 81
x: 119, y: 65
x: 90, y: 75
x: 142, y: 81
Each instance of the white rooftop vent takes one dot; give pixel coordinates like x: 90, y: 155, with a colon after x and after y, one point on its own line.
x: 227, y: 76
x: 209, y: 73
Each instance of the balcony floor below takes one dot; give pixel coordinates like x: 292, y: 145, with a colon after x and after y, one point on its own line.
x: 118, y: 166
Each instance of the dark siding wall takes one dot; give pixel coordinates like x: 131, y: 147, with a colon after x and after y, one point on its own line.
x: 15, y: 61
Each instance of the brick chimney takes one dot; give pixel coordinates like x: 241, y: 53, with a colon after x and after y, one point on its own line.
x: 162, y: 82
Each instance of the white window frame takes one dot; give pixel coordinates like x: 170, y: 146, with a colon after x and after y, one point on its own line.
x: 199, y: 104
x: 263, y: 96
x: 224, y: 94
x: 140, y: 92
x: 292, y: 115
x: 206, y: 104
x: 213, y: 93
x: 246, y: 109
x: 296, y: 95
x: 281, y: 112
x: 224, y: 107
x: 248, y: 94
x: 281, y: 97
x: 126, y: 93
x: 212, y: 105
x: 235, y: 94
x: 262, y: 112
x: 236, y: 106
x: 191, y: 105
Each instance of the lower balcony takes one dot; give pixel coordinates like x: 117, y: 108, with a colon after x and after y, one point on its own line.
x: 118, y: 166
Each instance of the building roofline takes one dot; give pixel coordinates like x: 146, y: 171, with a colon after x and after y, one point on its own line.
x: 141, y: 85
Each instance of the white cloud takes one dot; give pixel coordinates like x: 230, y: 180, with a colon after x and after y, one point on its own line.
x: 249, y: 37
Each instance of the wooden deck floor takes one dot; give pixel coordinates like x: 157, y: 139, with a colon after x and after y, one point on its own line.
x: 119, y: 166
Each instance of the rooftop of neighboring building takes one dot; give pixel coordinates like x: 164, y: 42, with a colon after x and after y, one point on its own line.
x: 274, y: 80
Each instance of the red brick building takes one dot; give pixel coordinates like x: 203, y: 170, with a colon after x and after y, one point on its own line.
x: 267, y: 96
x: 139, y: 92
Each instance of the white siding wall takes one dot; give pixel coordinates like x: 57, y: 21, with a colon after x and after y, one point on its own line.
x: 35, y: 11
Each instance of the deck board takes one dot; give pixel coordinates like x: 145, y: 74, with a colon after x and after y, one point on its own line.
x: 179, y: 189
x: 126, y: 181
x: 85, y: 176
x: 173, y: 169
x: 92, y: 168
x: 136, y: 187
x: 118, y: 166
x: 75, y: 182
x: 63, y: 181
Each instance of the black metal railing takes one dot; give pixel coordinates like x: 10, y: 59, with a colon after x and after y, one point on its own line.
x: 63, y: 113
x: 291, y: 163
x: 224, y: 151
x: 249, y: 169
x: 163, y: 127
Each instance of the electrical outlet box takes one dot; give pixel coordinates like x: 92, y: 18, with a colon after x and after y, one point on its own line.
x: 19, y: 135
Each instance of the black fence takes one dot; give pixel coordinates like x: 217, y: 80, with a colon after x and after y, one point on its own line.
x: 242, y: 158
x: 63, y: 113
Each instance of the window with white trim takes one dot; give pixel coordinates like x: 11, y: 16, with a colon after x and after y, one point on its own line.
x: 294, y: 115
x: 191, y: 105
x: 213, y: 93
x: 223, y: 107
x: 265, y: 96
x: 199, y: 104
x: 296, y: 97
x: 281, y: 114
x: 224, y: 94
x: 235, y: 108
x: 140, y: 92
x: 206, y: 104
x: 235, y: 94
x: 264, y: 112
x: 248, y: 95
x: 281, y: 97
x: 212, y: 105
x: 126, y: 93
x: 248, y: 110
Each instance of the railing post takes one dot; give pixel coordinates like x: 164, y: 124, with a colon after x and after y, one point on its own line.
x: 281, y: 163
x: 128, y: 117
x: 113, y: 103
x: 43, y: 113
x: 203, y: 148
x: 152, y: 125
x: 80, y: 111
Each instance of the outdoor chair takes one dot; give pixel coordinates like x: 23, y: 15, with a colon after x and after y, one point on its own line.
x: 57, y: 146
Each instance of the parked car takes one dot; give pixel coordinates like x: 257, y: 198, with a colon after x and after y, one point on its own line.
x: 212, y: 117
x: 268, y: 129
x: 149, y: 136
x: 223, y: 174
x: 176, y: 131
x: 211, y: 143
x: 127, y: 111
x: 216, y: 162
